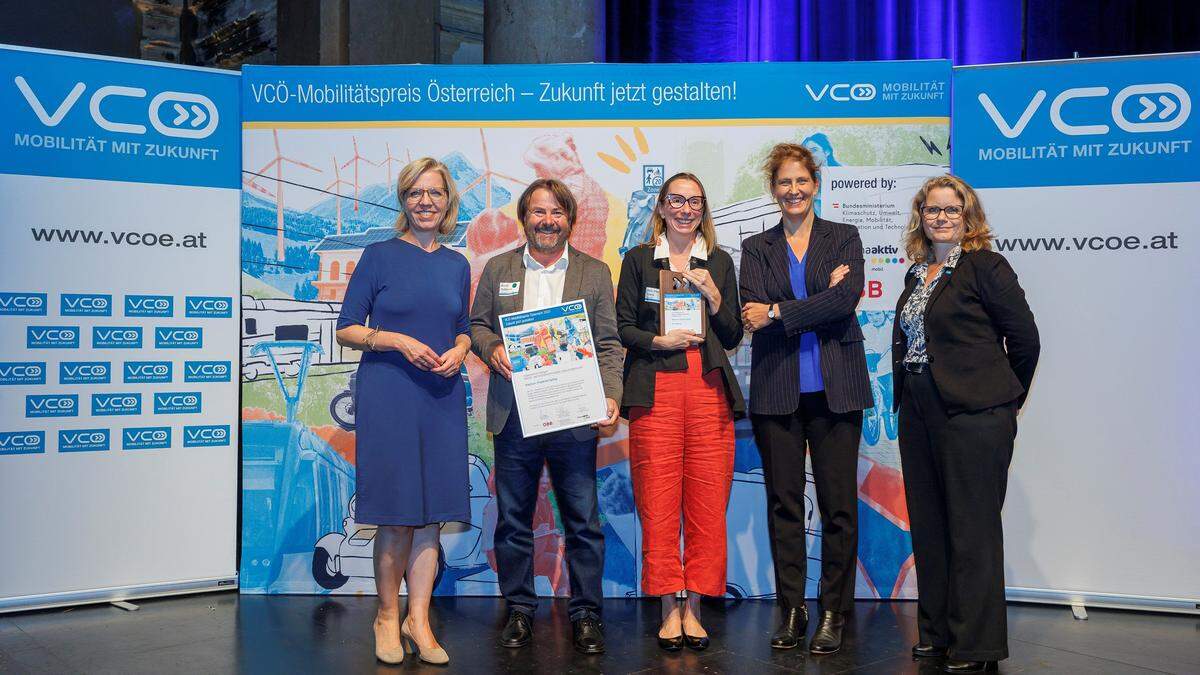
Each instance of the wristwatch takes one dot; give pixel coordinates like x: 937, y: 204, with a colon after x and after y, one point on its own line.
x: 771, y: 313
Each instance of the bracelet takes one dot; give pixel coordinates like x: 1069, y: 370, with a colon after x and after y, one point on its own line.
x: 370, y: 340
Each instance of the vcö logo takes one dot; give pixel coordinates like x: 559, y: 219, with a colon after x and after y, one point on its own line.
x: 147, y: 371
x: 208, y: 306
x: 82, y: 440
x: 168, y: 337
x: 22, y: 304
x: 207, y: 371
x: 22, y: 442
x: 183, y: 402
x: 122, y: 337
x: 22, y: 372
x: 189, y: 115
x: 576, y: 307
x: 206, y: 434
x: 116, y: 404
x: 844, y: 91
x: 149, y: 305
x: 1162, y: 106
x: 52, y: 337
x: 52, y: 405
x: 84, y: 372
x: 145, y: 438
x: 85, y: 304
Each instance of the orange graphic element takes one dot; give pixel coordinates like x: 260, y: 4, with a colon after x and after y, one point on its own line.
x: 339, y: 439
x: 615, y: 162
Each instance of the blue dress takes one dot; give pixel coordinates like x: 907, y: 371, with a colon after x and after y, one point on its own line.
x: 410, y: 424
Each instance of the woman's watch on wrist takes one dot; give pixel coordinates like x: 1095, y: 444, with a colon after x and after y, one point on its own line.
x: 771, y: 313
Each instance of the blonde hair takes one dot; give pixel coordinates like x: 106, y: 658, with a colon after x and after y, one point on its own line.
x: 409, y: 176
x: 658, y: 226
x: 977, y: 235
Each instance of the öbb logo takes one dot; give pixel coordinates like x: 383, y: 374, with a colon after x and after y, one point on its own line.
x: 1160, y: 100
x: 191, y: 115
x: 22, y: 304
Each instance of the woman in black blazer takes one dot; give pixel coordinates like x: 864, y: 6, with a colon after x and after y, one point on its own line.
x: 964, y: 349
x: 801, y: 281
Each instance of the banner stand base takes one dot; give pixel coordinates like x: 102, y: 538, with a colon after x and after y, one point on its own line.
x: 1079, y: 601
x: 118, y: 596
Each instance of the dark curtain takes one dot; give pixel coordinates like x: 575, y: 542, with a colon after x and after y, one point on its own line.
x: 965, y: 31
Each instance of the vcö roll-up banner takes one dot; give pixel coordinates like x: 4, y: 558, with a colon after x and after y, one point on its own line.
x: 1090, y: 174
x: 322, y: 149
x: 118, y: 329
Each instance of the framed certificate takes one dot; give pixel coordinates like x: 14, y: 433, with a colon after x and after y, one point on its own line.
x: 680, y: 305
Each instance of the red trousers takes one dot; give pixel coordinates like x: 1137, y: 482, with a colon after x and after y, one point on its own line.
x: 681, y: 457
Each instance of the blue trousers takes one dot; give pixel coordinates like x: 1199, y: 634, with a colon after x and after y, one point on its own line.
x: 518, y: 467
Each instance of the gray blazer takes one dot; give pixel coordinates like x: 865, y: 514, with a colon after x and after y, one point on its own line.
x: 587, y: 279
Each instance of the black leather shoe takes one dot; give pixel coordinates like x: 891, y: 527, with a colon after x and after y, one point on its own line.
x: 589, y: 636
x: 956, y: 666
x: 517, y: 632
x: 792, y: 629
x: 924, y: 651
x: 671, y: 644
x: 697, y: 643
x: 828, y: 638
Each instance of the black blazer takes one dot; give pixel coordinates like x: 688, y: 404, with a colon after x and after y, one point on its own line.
x: 980, y: 335
x: 829, y: 312
x: 637, y: 324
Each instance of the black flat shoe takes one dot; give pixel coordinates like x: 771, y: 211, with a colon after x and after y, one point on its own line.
x: 517, y: 632
x: 791, y: 630
x: 671, y: 644
x: 956, y: 666
x: 828, y: 638
x: 924, y: 651
x: 589, y: 635
x: 697, y: 643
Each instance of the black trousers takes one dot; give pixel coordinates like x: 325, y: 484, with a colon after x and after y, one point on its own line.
x: 832, y: 440
x: 955, y: 476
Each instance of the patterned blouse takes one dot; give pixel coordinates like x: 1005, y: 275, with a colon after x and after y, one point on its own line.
x: 912, y: 317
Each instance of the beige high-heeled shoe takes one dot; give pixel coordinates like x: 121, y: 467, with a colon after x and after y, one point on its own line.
x: 436, y: 656
x: 384, y: 650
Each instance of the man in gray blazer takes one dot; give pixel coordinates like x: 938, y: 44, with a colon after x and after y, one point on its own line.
x: 543, y: 273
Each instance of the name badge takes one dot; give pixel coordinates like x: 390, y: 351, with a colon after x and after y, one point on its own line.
x: 653, y: 295
x: 509, y: 288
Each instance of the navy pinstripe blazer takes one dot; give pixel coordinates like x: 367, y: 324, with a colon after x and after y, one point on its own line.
x: 829, y: 312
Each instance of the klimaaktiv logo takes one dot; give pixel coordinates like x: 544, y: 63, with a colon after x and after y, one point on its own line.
x: 145, y: 438
x: 22, y: 304
x: 52, y: 337
x: 205, y: 435
x: 117, y: 404
x: 149, y: 305
x: 202, y: 306
x: 147, y: 372
x: 117, y: 337
x: 22, y: 372
x: 178, y: 337
x: 52, y: 405
x: 84, y: 372
x: 843, y: 91
x: 22, y: 442
x: 207, y: 371
x: 176, y: 402
x: 85, y: 304
x: 179, y: 114
x: 1156, y: 108
x: 883, y: 254
x: 83, y: 440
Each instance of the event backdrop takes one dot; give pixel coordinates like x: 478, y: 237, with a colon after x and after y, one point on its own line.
x: 118, y: 329
x: 1090, y: 173
x: 322, y: 148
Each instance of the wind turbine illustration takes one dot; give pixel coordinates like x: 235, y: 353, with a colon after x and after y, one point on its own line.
x: 388, y: 161
x: 356, y: 160
x: 336, y: 186
x: 277, y: 164
x: 487, y: 176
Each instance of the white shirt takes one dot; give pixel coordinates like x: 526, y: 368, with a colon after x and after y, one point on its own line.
x: 699, y: 249
x: 544, y: 284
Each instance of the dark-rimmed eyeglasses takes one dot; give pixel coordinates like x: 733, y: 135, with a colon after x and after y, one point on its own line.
x: 677, y: 201
x: 932, y: 212
x: 417, y: 194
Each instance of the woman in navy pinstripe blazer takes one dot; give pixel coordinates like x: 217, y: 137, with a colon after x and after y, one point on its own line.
x: 800, y: 282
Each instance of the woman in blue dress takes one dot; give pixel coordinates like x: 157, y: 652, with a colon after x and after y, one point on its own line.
x: 406, y: 308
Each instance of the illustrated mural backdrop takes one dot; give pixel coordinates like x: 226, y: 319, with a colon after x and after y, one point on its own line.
x: 321, y: 151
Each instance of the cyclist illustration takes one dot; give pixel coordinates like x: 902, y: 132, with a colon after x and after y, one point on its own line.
x: 877, y: 339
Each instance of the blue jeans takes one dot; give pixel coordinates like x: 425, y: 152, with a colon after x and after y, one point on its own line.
x: 518, y: 467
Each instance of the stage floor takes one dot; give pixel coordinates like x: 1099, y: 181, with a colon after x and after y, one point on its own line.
x: 222, y: 632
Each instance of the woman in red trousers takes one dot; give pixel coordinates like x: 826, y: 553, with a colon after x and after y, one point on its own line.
x: 681, y: 397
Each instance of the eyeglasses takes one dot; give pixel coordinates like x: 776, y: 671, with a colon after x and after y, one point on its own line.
x: 417, y: 194
x: 556, y: 214
x: 677, y: 201
x: 932, y: 212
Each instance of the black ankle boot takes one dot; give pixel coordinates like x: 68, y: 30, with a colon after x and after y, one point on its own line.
x: 828, y: 638
x: 792, y: 629
x: 956, y: 666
